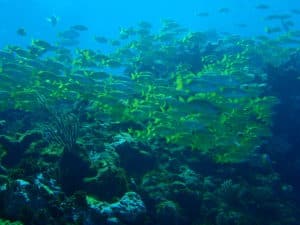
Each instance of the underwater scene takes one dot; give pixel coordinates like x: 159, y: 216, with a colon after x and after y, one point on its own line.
x: 150, y: 112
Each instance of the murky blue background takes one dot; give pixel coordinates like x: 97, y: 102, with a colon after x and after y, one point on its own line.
x: 105, y: 17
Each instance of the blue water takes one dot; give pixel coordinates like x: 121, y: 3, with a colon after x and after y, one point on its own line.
x: 106, y: 17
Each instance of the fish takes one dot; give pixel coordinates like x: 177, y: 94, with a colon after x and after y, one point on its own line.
x: 36, y: 50
x: 295, y: 11
x: 212, y: 81
x: 100, y: 39
x: 201, y: 87
x: 285, y: 16
x: 287, y: 24
x: 63, y: 51
x: 21, y: 32
x: 53, y: 20
x: 170, y: 25
x: 224, y: 10
x: 54, y: 65
x: 202, y: 14
x: 126, y: 32
x: 4, y: 95
x: 2, y: 122
x: 114, y: 42
x: 241, y: 25
x: 272, y: 17
x: 289, y: 40
x: 144, y: 25
x: 277, y: 17
x: 16, y: 74
x: 112, y: 63
x: 295, y: 33
x: 69, y: 34
x: 6, y: 55
x: 39, y: 47
x: 194, y: 125
x: 46, y: 74
x: 142, y: 76
x: 259, y: 160
x: 68, y: 42
x: 234, y: 93
x: 42, y: 44
x: 11, y: 66
x: 79, y: 28
x: 273, y: 30
x: 82, y: 78
x: 20, y: 51
x: 99, y: 76
x: 166, y: 36
x: 143, y: 31
x: 196, y: 105
x: 262, y: 38
x: 262, y: 6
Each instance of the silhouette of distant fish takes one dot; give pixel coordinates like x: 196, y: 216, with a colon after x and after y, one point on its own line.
x: 241, y: 25
x: 79, y: 28
x: 272, y: 30
x: 224, y: 10
x: 69, y: 34
x: 287, y: 24
x: 68, y: 42
x: 21, y: 32
x: 296, y: 11
x: 53, y: 20
x: 202, y: 14
x: 262, y: 6
x: 278, y: 17
x: 101, y: 39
